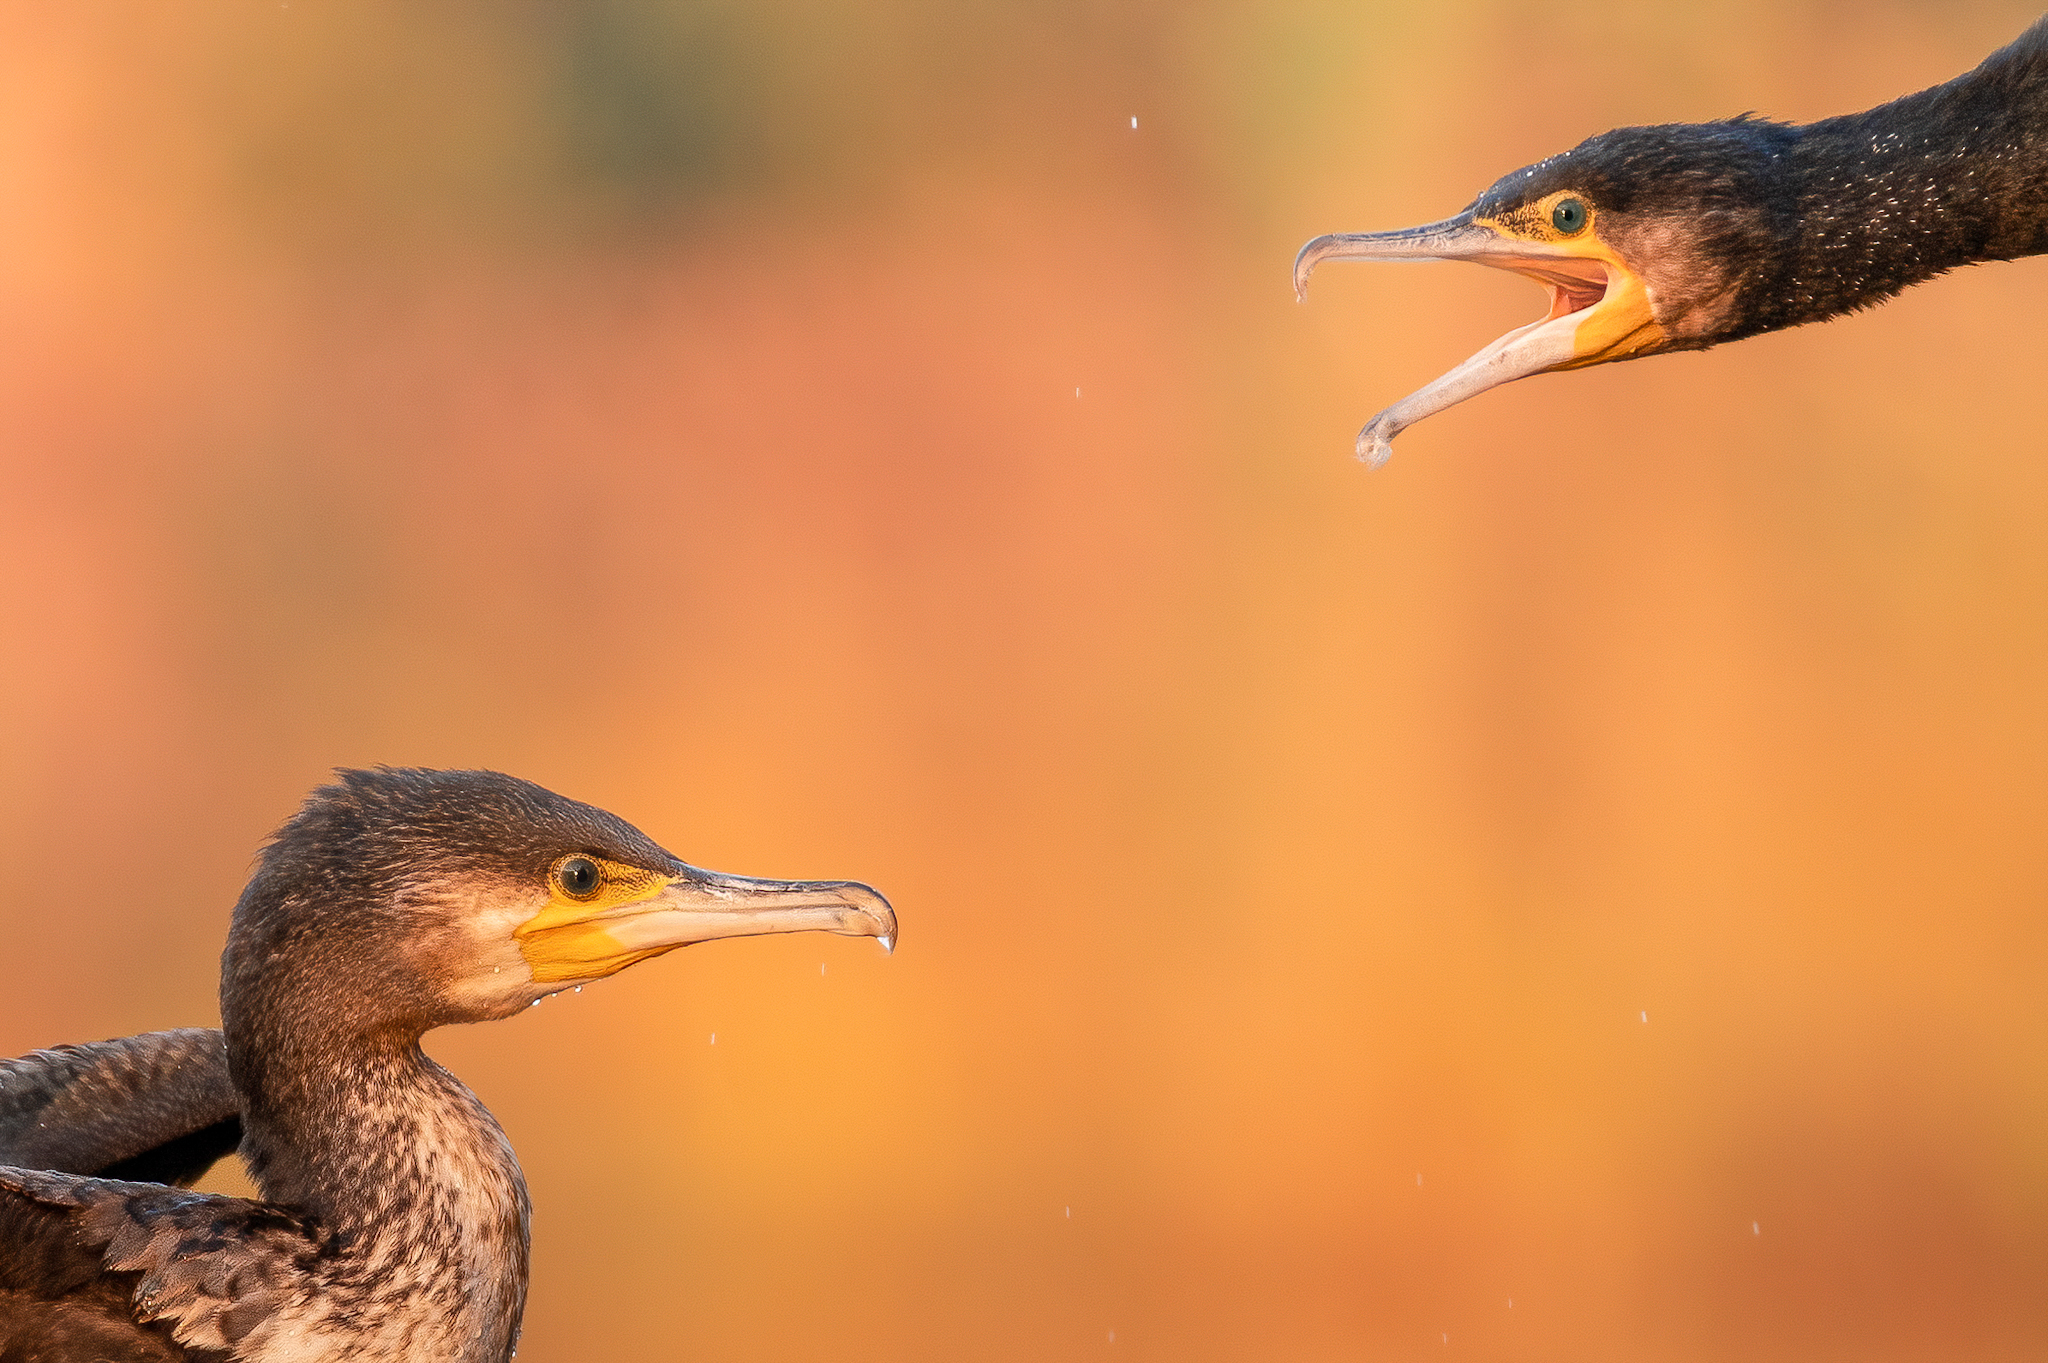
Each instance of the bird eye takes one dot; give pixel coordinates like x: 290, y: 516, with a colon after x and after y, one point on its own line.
x: 579, y: 877
x: 1569, y: 216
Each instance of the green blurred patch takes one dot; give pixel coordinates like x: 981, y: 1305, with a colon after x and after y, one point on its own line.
x: 659, y: 104
x: 340, y: 127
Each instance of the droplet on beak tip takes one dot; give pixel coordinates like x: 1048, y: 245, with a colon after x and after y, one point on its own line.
x: 888, y: 945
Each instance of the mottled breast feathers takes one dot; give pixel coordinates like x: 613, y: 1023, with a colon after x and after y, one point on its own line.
x: 149, y: 1271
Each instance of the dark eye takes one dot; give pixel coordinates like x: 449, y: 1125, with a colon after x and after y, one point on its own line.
x: 1569, y: 216
x: 579, y: 877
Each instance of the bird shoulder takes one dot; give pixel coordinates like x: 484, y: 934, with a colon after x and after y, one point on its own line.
x: 212, y: 1270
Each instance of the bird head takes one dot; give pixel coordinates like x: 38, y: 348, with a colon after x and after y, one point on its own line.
x: 1645, y: 238
x: 399, y: 900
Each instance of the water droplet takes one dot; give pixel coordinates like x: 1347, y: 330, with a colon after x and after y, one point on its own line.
x: 714, y: 1038
x: 1646, y: 1015
x: 579, y: 988
x: 1070, y: 1213
x: 1756, y: 1228
x: 1134, y: 122
x: 821, y: 967
x: 888, y: 945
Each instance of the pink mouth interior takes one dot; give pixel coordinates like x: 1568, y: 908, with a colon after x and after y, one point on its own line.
x: 1574, y: 285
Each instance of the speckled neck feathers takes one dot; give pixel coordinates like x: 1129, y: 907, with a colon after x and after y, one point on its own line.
x: 1887, y: 198
x: 418, y: 1193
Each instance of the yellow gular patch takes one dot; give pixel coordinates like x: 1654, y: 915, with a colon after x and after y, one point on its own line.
x: 568, y: 940
x: 1622, y: 323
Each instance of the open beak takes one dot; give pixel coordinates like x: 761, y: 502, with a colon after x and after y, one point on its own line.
x: 566, y: 943
x: 1598, y: 310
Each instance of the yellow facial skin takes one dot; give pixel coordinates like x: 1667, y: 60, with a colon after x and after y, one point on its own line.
x: 570, y: 939
x: 1618, y: 320
x: 588, y: 931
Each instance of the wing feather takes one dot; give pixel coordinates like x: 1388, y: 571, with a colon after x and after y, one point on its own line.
x: 153, y: 1108
x: 197, y: 1269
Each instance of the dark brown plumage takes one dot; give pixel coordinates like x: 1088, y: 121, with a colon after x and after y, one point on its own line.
x: 1683, y: 236
x: 155, y: 1108
x: 394, y: 1224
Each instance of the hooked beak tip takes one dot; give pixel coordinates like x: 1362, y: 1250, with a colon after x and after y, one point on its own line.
x: 1305, y: 265
x: 1373, y: 449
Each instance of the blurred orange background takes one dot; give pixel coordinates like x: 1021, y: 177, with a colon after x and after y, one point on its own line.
x: 1577, y: 893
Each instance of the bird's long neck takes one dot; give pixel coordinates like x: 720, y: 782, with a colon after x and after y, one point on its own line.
x: 1883, y: 199
x: 408, y: 1171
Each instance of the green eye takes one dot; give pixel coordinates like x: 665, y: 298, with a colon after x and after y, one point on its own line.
x: 579, y: 877
x: 1569, y: 216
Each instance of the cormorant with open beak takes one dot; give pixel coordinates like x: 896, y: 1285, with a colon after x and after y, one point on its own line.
x: 1685, y: 235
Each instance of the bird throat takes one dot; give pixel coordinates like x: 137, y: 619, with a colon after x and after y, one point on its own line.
x: 416, y: 1187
